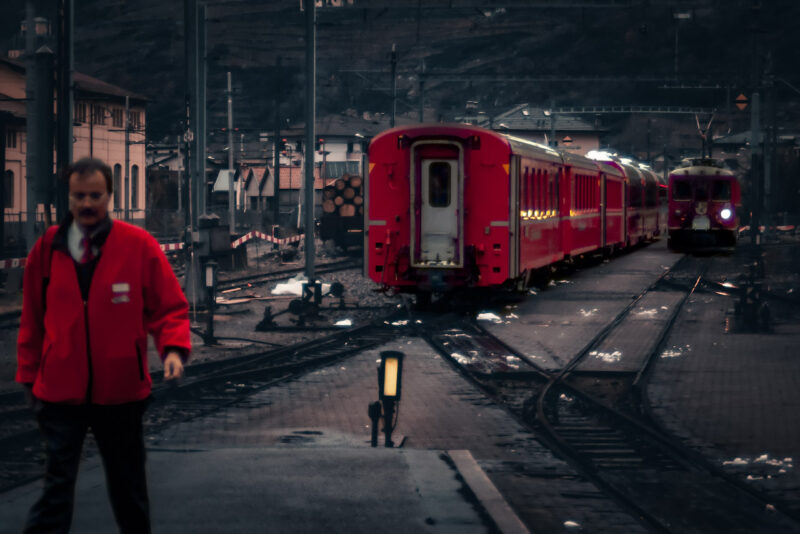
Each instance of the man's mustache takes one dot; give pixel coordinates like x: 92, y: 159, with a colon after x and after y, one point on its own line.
x: 88, y: 212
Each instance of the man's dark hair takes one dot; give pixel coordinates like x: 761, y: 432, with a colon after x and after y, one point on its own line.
x: 87, y: 167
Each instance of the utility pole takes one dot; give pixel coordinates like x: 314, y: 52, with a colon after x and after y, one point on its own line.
x: 422, y: 92
x: 65, y: 101
x: 755, y: 165
x: 181, y: 174
x: 31, y: 134
x: 4, y: 116
x: 394, y: 84
x: 127, y: 187
x: 200, y: 112
x: 311, y: 74
x: 231, y: 203
x: 192, y: 284
x: 276, y: 183
x: 200, y: 148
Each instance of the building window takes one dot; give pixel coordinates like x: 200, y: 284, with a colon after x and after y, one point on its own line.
x: 135, y: 187
x: 98, y: 115
x: 11, y: 139
x: 80, y: 111
x: 135, y: 120
x: 439, y: 184
x: 8, y: 185
x: 116, y: 118
x: 117, y: 185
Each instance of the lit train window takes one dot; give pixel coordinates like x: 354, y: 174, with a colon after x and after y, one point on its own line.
x: 681, y: 190
x: 721, y: 190
x: 439, y: 184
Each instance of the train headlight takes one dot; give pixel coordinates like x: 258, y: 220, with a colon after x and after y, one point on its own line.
x: 726, y: 213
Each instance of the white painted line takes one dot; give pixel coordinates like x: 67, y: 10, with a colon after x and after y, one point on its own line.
x: 496, y: 506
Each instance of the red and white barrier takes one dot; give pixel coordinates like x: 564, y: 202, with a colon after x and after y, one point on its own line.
x: 16, y: 263
x: 13, y: 263
x: 171, y: 247
x: 266, y: 237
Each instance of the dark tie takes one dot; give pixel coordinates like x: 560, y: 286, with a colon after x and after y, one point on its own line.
x: 86, y: 243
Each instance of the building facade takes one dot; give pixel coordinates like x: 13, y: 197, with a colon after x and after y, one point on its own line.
x: 99, y: 124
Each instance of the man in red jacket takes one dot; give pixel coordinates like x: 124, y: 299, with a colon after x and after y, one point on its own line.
x: 93, y: 289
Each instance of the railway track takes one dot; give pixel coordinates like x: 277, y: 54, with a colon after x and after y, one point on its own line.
x: 282, y: 274
x: 207, y: 387
x: 10, y: 319
x: 598, y: 421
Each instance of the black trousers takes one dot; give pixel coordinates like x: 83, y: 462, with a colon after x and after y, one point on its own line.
x: 118, y: 432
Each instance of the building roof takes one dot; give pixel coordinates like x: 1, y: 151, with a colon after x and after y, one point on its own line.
x: 84, y: 83
x: 525, y: 117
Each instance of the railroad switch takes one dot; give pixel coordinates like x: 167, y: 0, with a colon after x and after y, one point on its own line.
x: 268, y: 322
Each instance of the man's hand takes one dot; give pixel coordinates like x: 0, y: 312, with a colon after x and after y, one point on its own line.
x: 173, y: 366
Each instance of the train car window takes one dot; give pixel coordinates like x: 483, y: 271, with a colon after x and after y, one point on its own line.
x: 523, y: 192
x: 721, y: 190
x: 547, y: 204
x: 681, y: 190
x: 538, y: 207
x: 439, y: 184
x: 540, y: 192
x: 651, y: 194
x: 636, y: 192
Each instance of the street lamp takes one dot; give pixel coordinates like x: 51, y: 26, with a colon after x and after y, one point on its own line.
x: 390, y: 378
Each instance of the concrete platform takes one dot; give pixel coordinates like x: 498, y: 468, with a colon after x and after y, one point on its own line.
x: 288, y: 489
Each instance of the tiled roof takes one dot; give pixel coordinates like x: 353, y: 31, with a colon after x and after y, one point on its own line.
x: 525, y: 117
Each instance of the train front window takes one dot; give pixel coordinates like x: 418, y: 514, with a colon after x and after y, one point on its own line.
x: 681, y: 190
x: 439, y: 184
x: 721, y: 190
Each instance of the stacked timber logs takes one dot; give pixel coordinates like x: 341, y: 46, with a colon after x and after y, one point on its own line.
x: 345, y: 197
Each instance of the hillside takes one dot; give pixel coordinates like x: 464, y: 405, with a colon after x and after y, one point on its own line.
x: 139, y: 45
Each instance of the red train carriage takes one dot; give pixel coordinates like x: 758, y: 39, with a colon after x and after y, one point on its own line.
x: 704, y: 199
x: 459, y: 206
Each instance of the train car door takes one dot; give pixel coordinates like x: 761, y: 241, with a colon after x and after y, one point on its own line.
x: 437, y: 240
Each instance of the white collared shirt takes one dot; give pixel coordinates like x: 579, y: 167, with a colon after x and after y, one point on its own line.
x: 74, y: 242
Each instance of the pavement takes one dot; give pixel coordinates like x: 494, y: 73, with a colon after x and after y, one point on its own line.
x: 295, y: 457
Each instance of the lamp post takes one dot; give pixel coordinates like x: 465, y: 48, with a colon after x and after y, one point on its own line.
x: 210, y: 280
x: 390, y: 377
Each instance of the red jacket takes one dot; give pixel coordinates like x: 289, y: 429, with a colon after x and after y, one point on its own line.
x: 133, y: 292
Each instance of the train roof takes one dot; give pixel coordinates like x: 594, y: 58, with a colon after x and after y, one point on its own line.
x: 701, y: 170
x: 516, y: 145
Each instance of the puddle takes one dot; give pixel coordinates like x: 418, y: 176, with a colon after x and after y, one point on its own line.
x: 608, y: 357
x: 648, y: 313
x: 402, y: 322
x: 512, y: 361
x: 343, y: 322
x: 588, y: 313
